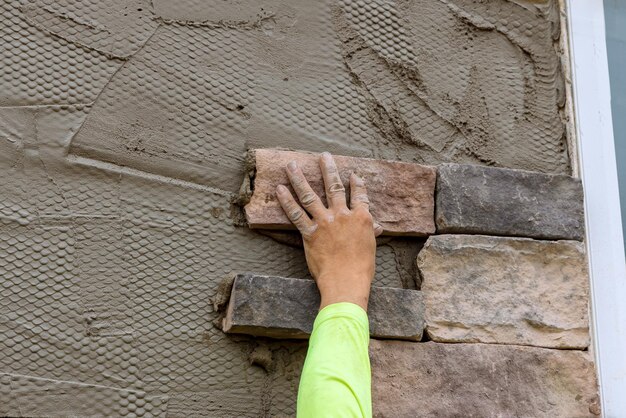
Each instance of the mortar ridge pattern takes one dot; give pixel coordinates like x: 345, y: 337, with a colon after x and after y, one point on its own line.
x: 123, y: 132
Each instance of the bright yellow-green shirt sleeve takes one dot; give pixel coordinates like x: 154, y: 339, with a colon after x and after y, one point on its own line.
x: 336, y: 378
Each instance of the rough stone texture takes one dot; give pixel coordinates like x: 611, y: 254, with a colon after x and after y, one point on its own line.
x: 494, y: 201
x: 286, y: 308
x: 401, y: 194
x: 505, y: 290
x: 478, y: 380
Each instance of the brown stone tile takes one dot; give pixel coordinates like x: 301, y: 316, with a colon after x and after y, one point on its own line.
x: 401, y: 194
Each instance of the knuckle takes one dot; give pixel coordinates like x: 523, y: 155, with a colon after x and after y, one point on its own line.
x: 344, y: 212
x: 332, y: 173
x: 331, y: 168
x: 295, y: 214
x: 289, y: 205
x: 336, y: 188
x: 297, y: 181
x: 308, y: 232
x: 308, y: 198
x: 363, y: 215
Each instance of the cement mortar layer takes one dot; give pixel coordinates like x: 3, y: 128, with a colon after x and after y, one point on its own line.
x: 123, y: 130
x: 419, y: 81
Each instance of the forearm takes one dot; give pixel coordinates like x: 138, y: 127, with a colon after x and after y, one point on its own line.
x: 336, y: 378
x: 340, y: 248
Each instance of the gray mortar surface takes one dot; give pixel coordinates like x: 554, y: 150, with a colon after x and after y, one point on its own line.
x: 123, y: 132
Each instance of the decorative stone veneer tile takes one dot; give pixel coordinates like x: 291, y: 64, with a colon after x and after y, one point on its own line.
x: 478, y: 380
x: 286, y: 308
x: 496, y: 201
x: 505, y: 291
x: 401, y: 194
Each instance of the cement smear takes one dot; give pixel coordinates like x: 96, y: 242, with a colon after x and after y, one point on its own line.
x: 123, y: 131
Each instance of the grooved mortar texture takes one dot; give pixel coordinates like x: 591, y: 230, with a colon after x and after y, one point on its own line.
x: 123, y: 131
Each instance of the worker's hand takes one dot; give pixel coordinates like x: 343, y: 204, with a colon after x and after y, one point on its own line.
x: 339, y: 242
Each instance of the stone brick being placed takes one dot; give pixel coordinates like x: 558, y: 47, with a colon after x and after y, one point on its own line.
x: 505, y: 291
x: 401, y: 194
x: 280, y: 307
x: 478, y: 380
x: 496, y: 201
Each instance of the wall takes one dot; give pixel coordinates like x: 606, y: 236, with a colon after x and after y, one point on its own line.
x: 123, y: 131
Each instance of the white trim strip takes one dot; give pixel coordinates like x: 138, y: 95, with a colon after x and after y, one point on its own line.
x: 605, y: 243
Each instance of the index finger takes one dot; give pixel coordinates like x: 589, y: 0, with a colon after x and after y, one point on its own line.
x: 294, y: 212
x: 335, y: 192
x: 308, y: 198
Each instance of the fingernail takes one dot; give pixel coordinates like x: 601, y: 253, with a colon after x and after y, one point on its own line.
x: 326, y: 155
x: 281, y: 189
x: 358, y: 181
x: 292, y: 166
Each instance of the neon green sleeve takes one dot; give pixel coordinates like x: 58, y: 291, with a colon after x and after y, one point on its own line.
x: 336, y: 377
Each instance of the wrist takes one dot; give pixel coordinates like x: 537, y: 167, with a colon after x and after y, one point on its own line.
x: 361, y: 301
x: 355, y: 277
x: 344, y: 287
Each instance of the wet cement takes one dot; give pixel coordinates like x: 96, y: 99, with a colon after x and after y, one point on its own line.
x: 123, y: 132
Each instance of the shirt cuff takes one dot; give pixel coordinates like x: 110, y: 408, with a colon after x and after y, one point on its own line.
x: 345, y: 310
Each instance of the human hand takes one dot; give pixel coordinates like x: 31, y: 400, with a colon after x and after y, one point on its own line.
x: 339, y: 242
